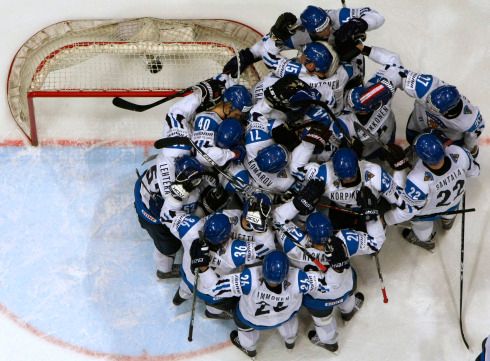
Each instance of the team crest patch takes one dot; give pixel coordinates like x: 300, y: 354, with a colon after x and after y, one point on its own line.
x: 454, y: 157
x: 286, y: 284
x: 467, y: 110
x: 368, y: 176
x: 428, y: 176
x: 282, y: 174
x: 336, y: 183
x: 233, y: 220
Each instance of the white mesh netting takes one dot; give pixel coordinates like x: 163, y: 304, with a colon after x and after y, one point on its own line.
x: 103, y: 56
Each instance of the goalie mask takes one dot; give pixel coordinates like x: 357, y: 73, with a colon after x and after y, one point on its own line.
x: 256, y: 211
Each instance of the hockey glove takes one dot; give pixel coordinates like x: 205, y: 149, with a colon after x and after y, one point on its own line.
x: 396, y: 157
x: 284, y: 136
x: 318, y: 135
x: 354, y: 29
x: 306, y: 199
x: 214, y: 199
x: 199, y: 254
x: 368, y: 203
x: 185, y: 182
x: 246, y: 58
x: 240, y: 153
x: 211, y: 91
x: 284, y: 27
x: 281, y: 94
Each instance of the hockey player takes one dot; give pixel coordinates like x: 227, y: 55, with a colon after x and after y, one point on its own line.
x: 226, y: 253
x: 315, y: 24
x: 205, y: 95
x: 218, y: 132
x: 440, y: 106
x: 270, y: 297
x: 160, y: 192
x: 436, y: 184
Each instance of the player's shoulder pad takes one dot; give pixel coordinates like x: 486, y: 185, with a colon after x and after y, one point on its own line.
x: 304, y: 283
x: 183, y: 223
x: 351, y: 238
x: 345, y: 14
x: 413, y: 190
x: 246, y: 280
x: 238, y: 251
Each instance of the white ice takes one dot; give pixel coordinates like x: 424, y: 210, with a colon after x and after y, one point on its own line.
x: 76, y: 274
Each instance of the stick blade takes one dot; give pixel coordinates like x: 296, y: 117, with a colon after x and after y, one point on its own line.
x: 124, y: 104
x: 168, y: 142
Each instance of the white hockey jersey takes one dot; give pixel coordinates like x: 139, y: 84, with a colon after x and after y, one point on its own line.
x: 205, y: 127
x: 259, y: 307
x: 466, y: 127
x: 429, y: 191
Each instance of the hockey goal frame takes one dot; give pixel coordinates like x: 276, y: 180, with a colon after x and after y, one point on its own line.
x: 25, y: 81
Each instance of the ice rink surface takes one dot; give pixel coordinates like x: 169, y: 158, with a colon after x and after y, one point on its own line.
x: 76, y: 271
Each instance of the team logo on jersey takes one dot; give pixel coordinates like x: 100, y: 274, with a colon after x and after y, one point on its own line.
x: 454, y: 157
x: 286, y: 284
x: 336, y: 183
x: 434, y: 122
x: 282, y: 174
x: 233, y: 220
x: 467, y: 110
x: 368, y: 176
x: 428, y: 176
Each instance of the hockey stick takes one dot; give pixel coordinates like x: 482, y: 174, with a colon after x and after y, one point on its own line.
x: 458, y: 211
x: 193, y: 309
x: 323, y: 205
x: 247, y: 189
x: 308, y: 254
x: 124, y: 104
x: 383, y: 289
x: 461, y: 278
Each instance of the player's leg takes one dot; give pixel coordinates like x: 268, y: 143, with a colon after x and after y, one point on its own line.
x: 222, y: 309
x: 422, y: 234
x: 289, y: 332
x: 182, y: 294
x: 166, y: 246
x: 325, y: 332
x: 351, y: 305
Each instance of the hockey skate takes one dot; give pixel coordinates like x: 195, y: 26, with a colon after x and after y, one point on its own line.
x: 412, y: 238
x: 289, y: 345
x: 235, y: 341
x: 218, y: 316
x: 332, y: 347
x: 178, y: 300
x: 174, y: 273
x: 447, y: 224
x: 358, y: 304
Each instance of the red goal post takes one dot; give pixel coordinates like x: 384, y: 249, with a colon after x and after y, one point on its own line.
x: 144, y: 57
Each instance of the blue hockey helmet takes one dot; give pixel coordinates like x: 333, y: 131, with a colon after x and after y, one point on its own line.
x: 314, y: 19
x: 275, y: 267
x: 256, y: 211
x: 319, y: 228
x: 345, y: 163
x: 229, y: 133
x: 217, y: 228
x: 318, y: 54
x: 239, y: 97
x: 444, y: 99
x: 272, y: 159
x: 429, y: 148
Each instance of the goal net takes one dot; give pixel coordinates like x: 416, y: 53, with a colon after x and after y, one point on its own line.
x: 145, y: 57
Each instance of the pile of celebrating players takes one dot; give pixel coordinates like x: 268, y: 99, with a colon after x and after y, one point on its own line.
x: 268, y: 192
